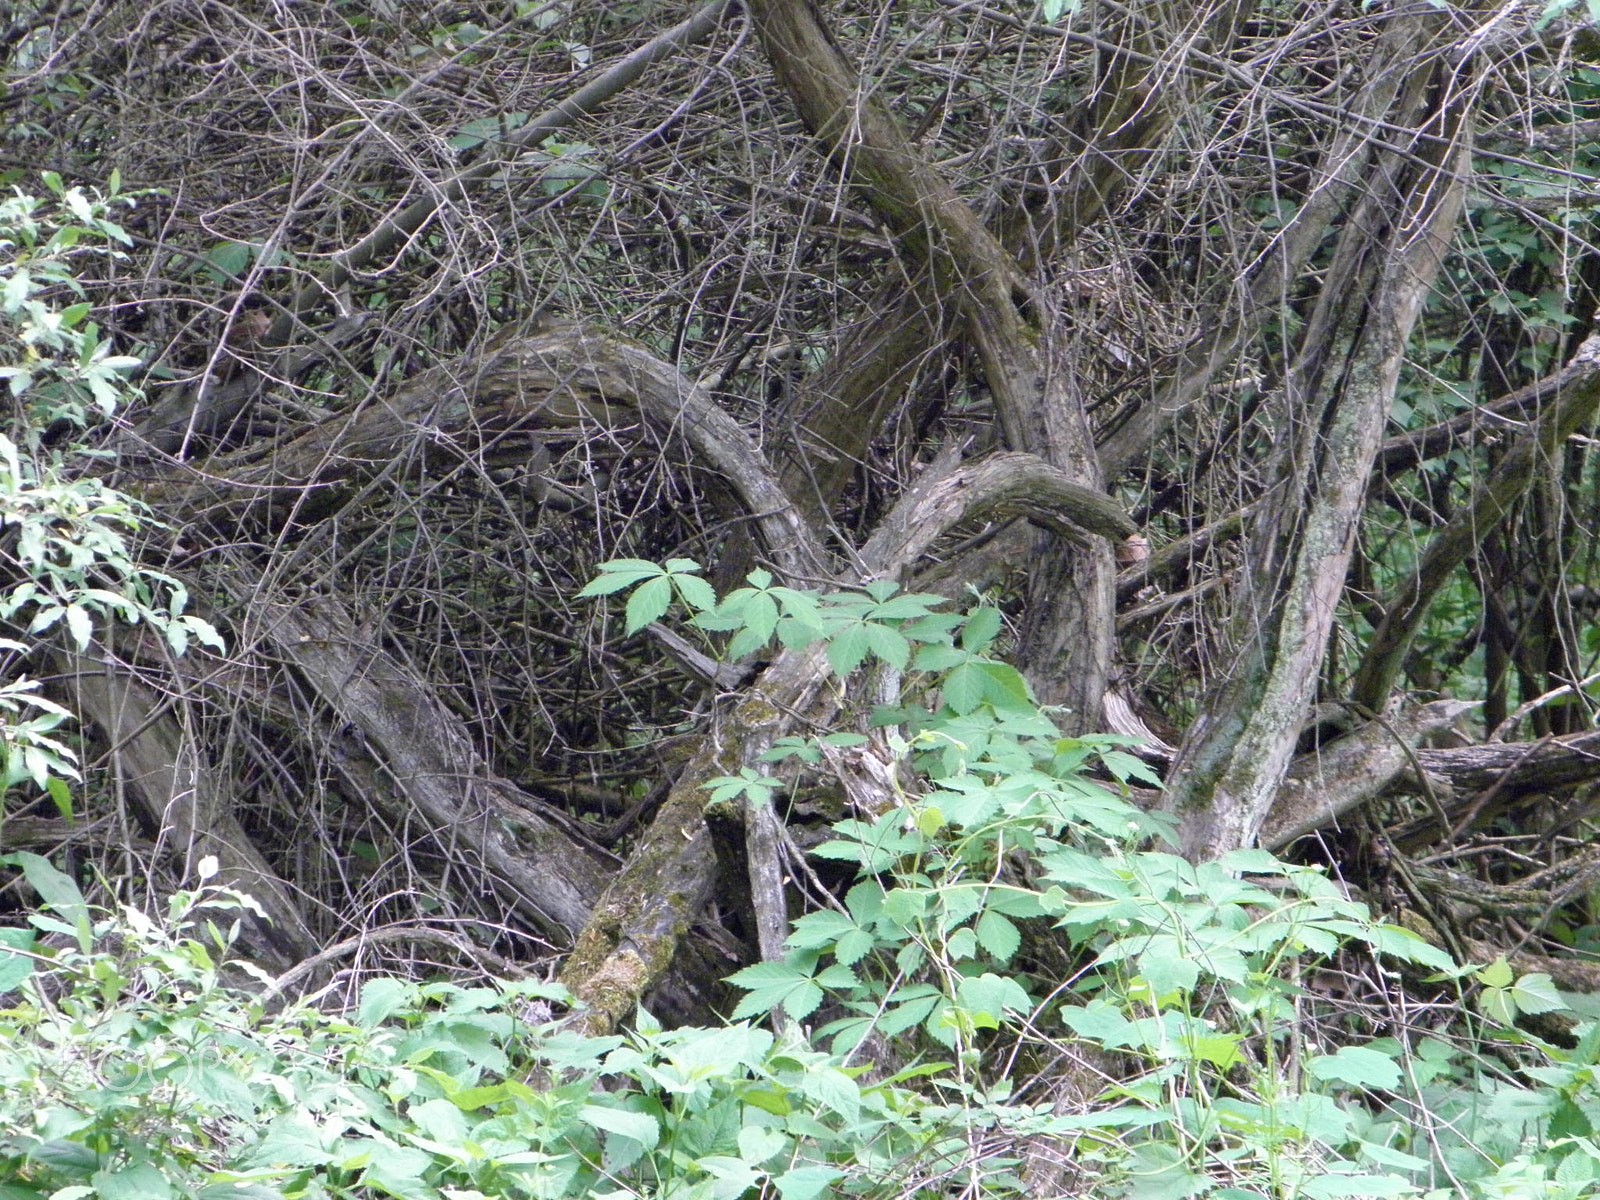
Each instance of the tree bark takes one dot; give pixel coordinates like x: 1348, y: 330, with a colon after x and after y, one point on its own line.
x: 1072, y: 609
x: 537, y: 865
x: 183, y: 799
x: 1235, y: 756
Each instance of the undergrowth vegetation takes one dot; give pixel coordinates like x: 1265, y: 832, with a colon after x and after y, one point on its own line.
x: 1021, y: 993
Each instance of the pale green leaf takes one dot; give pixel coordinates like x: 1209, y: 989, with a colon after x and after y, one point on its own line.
x: 806, y: 1183
x: 998, y: 936
x: 640, y: 1127
x: 649, y: 602
x: 1537, y: 993
x: 1497, y: 974
x: 1357, y: 1066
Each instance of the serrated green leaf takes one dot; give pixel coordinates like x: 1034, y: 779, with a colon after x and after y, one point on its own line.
x: 848, y: 649
x: 1537, y: 993
x: 746, y: 641
x: 616, y: 581
x: 1004, y: 687
x: 761, y: 615
x: 696, y: 593
x: 964, y: 688
x: 980, y: 630
x: 648, y: 602
x: 998, y: 936
x: 1497, y: 974
x: 1358, y: 1066
x: 888, y: 644
x: 854, y: 946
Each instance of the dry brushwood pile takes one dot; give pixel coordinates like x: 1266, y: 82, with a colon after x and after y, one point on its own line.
x: 1238, y: 352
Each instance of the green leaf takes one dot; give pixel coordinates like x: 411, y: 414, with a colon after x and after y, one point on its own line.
x: 833, y: 1089
x: 1355, y: 1187
x: 761, y: 615
x: 806, y: 1183
x: 854, y: 946
x: 695, y: 592
x: 399, y: 1171
x: 615, y: 581
x: 888, y: 644
x: 649, y: 602
x: 1498, y: 1005
x: 799, y: 607
x: 848, y: 649
x: 1400, y: 942
x: 15, y: 965
x: 230, y: 258
x: 1388, y: 1156
x: 138, y: 1181
x: 638, y: 1126
x: 747, y: 641
x: 62, y: 795
x: 1004, y: 687
x: 1221, y: 1050
x: 964, y: 689
x: 1537, y: 993
x: 58, y: 891
x: 775, y: 984
x: 936, y: 657
x: 1497, y: 974
x: 757, y: 1144
x: 998, y: 936
x: 380, y: 999
x: 980, y: 630
x: 1357, y: 1066
x: 993, y: 994
x: 818, y: 929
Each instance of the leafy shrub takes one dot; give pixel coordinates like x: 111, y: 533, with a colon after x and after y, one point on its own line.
x: 132, y: 1069
x: 1186, y: 976
x: 138, y: 1063
x: 64, y: 559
